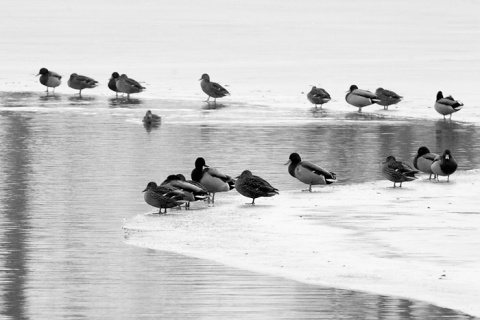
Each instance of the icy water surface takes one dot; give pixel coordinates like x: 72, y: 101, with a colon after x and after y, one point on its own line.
x: 72, y: 169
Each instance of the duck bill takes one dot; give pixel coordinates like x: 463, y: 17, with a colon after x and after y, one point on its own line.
x: 288, y: 162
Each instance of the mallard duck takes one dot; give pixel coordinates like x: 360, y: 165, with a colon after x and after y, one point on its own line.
x: 127, y: 85
x: 212, y: 89
x: 308, y: 172
x: 213, y: 180
x: 444, y: 165
x: 252, y: 186
x: 49, y: 79
x: 156, y: 196
x: 112, y: 83
x: 447, y: 105
x: 318, y: 96
x: 178, y: 181
x: 423, y: 161
x: 387, y: 97
x: 360, y: 98
x: 150, y: 118
x: 398, y: 171
x: 79, y: 82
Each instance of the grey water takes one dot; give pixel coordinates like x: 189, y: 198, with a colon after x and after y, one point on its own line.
x: 73, y: 169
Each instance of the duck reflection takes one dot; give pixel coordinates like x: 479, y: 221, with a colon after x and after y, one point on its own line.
x: 213, y: 106
x: 123, y: 102
x: 80, y: 100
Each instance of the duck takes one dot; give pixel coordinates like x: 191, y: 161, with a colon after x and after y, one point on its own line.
x: 398, y: 171
x: 423, y: 161
x: 318, y: 96
x: 150, y: 118
x: 156, y: 196
x: 192, y: 191
x: 252, y: 186
x: 212, y: 179
x: 50, y: 79
x: 444, y: 165
x: 212, y: 89
x: 447, y: 106
x: 308, y: 172
x: 387, y: 97
x: 112, y: 83
x: 79, y: 82
x: 127, y: 85
x: 360, y: 98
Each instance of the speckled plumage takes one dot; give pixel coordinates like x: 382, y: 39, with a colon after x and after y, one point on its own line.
x: 446, y: 106
x: 50, y: 79
x: 423, y: 161
x: 212, y: 89
x: 360, y: 98
x: 308, y: 172
x: 398, y: 171
x: 127, y: 85
x: 156, y: 196
x: 79, y: 82
x: 444, y: 165
x: 318, y: 96
x: 387, y: 97
x: 252, y: 186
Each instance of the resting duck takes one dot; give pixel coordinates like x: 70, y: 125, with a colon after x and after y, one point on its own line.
x: 387, y: 97
x: 318, y: 96
x: 156, y: 196
x: 423, y: 161
x: 308, y: 172
x: 212, y: 179
x: 360, y: 98
x: 398, y: 171
x: 150, y: 118
x: 444, y: 165
x: 212, y: 89
x: 252, y: 186
x: 79, y: 82
x: 127, y: 85
x: 447, y: 105
x: 49, y: 79
x: 112, y: 83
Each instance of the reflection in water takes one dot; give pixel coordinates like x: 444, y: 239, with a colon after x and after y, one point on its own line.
x: 123, y: 102
x: 68, y: 186
x: 15, y: 195
x: 80, y: 100
x: 213, y: 106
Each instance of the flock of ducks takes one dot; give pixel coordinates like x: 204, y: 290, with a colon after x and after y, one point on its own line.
x: 356, y: 97
x: 206, y: 181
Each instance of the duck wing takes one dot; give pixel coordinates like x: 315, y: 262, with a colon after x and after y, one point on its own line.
x: 317, y: 170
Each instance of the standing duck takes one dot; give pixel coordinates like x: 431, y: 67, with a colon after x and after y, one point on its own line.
x: 398, y: 171
x: 212, y: 89
x: 49, y: 79
x: 318, y: 96
x: 360, y: 98
x: 156, y: 196
x: 447, y: 105
x: 127, y: 85
x: 112, y: 83
x: 387, y: 97
x: 254, y: 187
x: 79, y: 82
x: 444, y: 165
x: 423, y: 161
x: 212, y: 179
x: 308, y: 172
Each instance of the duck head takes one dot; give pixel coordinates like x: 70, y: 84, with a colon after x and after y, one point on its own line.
x: 294, y: 158
x: 439, y: 95
x: 115, y: 75
x: 205, y: 77
x: 200, y: 163
x: 352, y: 87
x: 150, y: 186
x: 43, y: 71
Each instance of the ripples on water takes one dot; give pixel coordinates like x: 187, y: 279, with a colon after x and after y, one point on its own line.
x: 73, y: 168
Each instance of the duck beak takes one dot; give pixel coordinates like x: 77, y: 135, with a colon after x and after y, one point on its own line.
x: 288, y: 162
x: 145, y: 189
